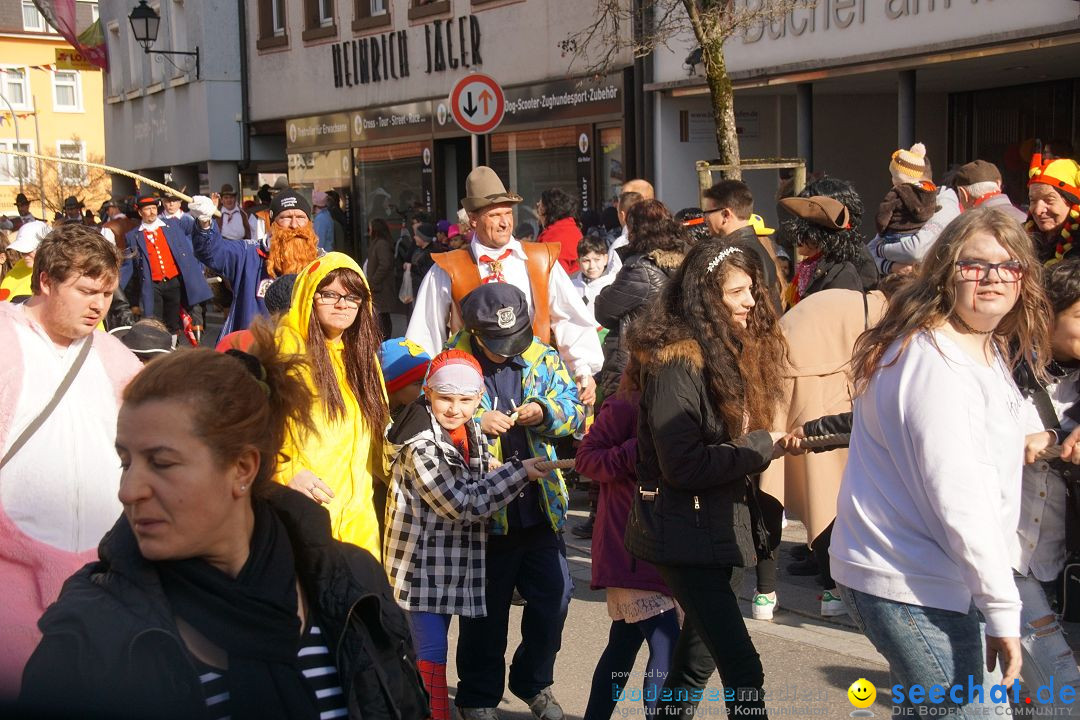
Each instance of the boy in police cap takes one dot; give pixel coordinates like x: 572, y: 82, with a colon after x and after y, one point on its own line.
x: 529, y: 401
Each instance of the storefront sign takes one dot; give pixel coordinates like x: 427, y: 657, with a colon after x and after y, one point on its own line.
x: 68, y: 59
x: 394, y: 121
x: 831, y: 29
x: 584, y: 167
x: 448, y: 45
x: 427, y: 177
x: 566, y: 100
x: 317, y: 131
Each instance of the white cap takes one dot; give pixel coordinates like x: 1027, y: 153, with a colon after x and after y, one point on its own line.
x: 30, y: 236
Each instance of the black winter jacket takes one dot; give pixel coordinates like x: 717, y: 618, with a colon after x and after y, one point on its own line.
x: 704, y: 511
x: 111, y: 647
x: 639, y: 282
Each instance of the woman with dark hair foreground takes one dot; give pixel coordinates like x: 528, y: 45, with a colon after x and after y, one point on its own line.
x: 218, y: 593
x: 929, y: 504
x: 332, y: 325
x: 712, y: 354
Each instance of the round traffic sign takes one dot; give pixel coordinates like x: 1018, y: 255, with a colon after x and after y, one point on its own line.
x: 477, y: 103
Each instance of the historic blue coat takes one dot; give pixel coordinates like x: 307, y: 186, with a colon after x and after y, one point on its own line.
x: 138, y: 265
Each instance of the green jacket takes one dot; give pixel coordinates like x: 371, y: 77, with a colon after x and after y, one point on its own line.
x: 546, y: 381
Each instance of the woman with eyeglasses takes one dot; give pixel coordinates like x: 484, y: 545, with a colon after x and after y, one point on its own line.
x: 929, y: 503
x: 332, y: 324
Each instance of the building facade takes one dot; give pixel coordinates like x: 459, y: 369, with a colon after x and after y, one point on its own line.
x: 165, y: 118
x: 48, y: 111
x: 846, y: 82
x: 358, y: 91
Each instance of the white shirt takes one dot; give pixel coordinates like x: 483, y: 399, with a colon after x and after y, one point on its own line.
x: 589, y: 289
x: 573, y: 327
x: 143, y: 227
x: 1039, y: 549
x: 232, y: 224
x: 928, y: 507
x: 60, y: 488
x: 614, y: 261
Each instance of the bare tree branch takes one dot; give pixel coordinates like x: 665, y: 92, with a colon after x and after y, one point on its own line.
x: 657, y: 22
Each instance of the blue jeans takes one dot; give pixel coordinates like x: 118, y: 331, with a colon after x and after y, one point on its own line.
x: 1048, y: 659
x: 927, y: 646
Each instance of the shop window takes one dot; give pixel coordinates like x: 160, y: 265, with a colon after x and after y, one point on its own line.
x: 532, y: 161
x: 67, y: 91
x: 272, y: 26
x: 72, y: 150
x: 427, y: 8
x: 612, y: 173
x: 389, y: 185
x: 368, y: 14
x: 13, y: 168
x: 16, y: 85
x: 319, y: 20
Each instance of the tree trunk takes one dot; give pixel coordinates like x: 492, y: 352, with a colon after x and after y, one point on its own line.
x: 723, y: 106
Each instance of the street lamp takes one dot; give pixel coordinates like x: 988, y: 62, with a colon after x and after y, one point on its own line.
x: 144, y: 25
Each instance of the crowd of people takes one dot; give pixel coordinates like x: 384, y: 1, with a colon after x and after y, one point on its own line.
x: 286, y: 526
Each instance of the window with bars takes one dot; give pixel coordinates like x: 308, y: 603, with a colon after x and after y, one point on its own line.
x: 12, y: 168
x: 15, y: 82
x: 67, y: 91
x: 71, y: 174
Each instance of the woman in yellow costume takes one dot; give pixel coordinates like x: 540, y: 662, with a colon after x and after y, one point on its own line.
x: 332, y: 324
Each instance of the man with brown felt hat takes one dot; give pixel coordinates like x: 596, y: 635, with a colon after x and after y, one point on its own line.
x: 559, y: 316
x: 978, y: 184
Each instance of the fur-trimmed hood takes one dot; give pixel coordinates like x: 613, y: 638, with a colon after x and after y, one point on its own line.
x: 667, y: 260
x: 686, y: 352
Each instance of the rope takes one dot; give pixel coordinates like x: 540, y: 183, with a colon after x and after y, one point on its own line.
x: 548, y: 465
x: 107, y: 168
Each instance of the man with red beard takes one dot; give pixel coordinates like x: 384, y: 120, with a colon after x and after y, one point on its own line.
x: 249, y: 266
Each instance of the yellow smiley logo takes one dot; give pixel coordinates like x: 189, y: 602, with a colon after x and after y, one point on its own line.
x: 862, y: 694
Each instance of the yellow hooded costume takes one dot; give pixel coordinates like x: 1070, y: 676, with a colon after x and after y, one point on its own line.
x: 344, y: 452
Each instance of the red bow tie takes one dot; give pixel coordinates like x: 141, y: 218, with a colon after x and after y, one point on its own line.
x: 495, y: 268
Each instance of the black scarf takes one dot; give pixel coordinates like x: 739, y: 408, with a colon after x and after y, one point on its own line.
x: 253, y: 618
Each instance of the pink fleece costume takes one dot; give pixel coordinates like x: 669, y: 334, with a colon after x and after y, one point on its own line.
x: 32, y: 570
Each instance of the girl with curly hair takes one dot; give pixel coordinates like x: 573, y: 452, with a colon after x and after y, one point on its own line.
x: 711, y: 352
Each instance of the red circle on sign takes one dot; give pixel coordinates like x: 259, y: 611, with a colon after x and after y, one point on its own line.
x: 496, y: 97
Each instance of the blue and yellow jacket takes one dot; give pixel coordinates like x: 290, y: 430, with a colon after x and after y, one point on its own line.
x: 546, y: 381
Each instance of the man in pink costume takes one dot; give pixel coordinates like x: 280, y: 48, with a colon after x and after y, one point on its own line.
x: 58, y: 488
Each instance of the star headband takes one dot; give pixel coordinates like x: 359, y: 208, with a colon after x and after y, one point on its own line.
x: 720, y: 257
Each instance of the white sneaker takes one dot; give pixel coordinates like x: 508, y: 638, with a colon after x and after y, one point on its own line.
x: 764, y: 606
x: 832, y: 605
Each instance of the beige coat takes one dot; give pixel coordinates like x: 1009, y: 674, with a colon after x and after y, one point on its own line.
x: 821, y: 332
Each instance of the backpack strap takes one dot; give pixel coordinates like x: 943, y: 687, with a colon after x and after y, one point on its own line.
x: 61, y: 390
